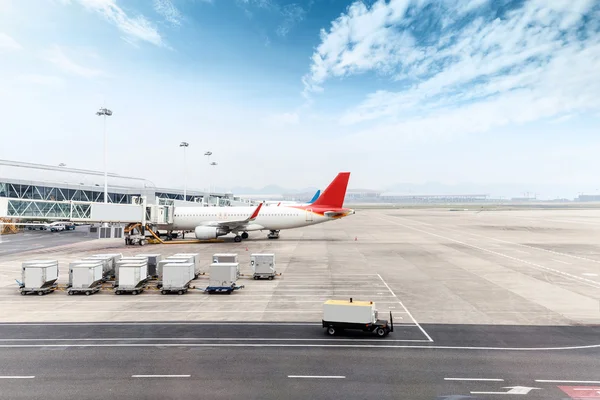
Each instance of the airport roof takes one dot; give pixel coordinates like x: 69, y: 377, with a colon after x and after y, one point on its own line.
x: 21, y: 172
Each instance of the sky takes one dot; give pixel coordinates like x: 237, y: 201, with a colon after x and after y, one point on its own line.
x: 484, y: 92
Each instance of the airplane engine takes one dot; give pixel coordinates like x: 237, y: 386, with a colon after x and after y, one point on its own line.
x: 208, y: 232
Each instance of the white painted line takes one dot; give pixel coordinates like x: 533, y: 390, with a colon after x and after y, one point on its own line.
x: 349, y: 346
x: 406, y: 310
x: 317, y: 376
x: 564, y: 262
x: 589, y: 274
x: 17, y: 377
x: 160, y: 323
x: 563, y: 381
x: 160, y: 376
x: 475, y: 379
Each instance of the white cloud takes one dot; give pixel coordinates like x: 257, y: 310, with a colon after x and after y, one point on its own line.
x: 43, y: 80
x: 56, y: 55
x: 167, y: 9
x: 134, y: 28
x: 284, y: 119
x: 8, y: 43
x: 292, y: 14
x: 533, y: 63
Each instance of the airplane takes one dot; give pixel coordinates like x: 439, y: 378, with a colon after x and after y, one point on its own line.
x: 288, y: 203
x: 212, y: 222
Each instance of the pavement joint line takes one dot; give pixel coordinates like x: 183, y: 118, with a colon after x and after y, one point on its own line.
x: 366, y: 346
x: 539, y: 267
x: 563, y: 262
x: 317, y: 376
x: 160, y: 376
x: 158, y: 323
x: 406, y: 309
x: 17, y: 377
x: 187, y: 312
x: 216, y: 339
x: 563, y: 381
x: 475, y: 379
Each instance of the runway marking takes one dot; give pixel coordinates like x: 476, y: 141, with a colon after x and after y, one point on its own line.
x: 564, y: 262
x: 218, y: 339
x: 406, y: 309
x: 563, y: 381
x: 365, y: 346
x: 160, y: 376
x: 589, y: 274
x: 475, y: 379
x: 588, y: 282
x: 317, y: 376
x: 17, y: 377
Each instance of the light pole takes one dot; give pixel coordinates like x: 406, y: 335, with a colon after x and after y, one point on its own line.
x: 184, y: 145
x: 214, y: 164
x: 62, y: 165
x: 105, y: 112
x: 208, y: 154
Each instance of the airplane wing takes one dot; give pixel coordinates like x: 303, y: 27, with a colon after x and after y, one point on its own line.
x: 337, y: 214
x: 233, y: 225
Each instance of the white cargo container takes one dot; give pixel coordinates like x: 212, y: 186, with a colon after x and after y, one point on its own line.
x: 131, y: 279
x: 153, y: 260
x: 169, y: 260
x: 361, y: 315
x: 225, y: 258
x: 195, y: 256
x: 39, y: 278
x: 177, y: 277
x: 131, y: 261
x: 85, y: 278
x: 263, y: 265
x: 111, y: 259
x: 223, y: 275
x: 85, y: 261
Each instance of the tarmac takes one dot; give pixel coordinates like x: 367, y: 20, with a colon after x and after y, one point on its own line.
x: 526, y: 267
x: 485, y: 304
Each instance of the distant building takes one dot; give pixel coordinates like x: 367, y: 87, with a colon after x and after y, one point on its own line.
x: 433, y: 198
x: 588, y: 197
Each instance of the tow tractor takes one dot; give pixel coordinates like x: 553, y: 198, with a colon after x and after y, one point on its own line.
x: 356, y: 315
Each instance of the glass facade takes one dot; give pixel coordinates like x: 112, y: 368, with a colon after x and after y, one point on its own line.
x: 36, y: 192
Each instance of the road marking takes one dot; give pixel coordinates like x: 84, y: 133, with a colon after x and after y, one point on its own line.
x: 475, y: 379
x: 589, y: 274
x: 512, y: 390
x: 539, y: 267
x: 318, y: 376
x: 17, y: 377
x: 564, y: 381
x: 564, y: 262
x: 159, y: 323
x: 160, y: 376
x: 406, y: 310
x: 349, y: 346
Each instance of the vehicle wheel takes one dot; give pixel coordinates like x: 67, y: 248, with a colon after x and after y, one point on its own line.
x: 237, y: 239
x: 22, y: 293
x: 87, y: 292
x: 180, y: 292
x: 245, y: 235
x: 331, y: 331
x: 118, y: 292
x: 256, y: 278
x: 134, y: 292
x: 380, y: 332
x: 40, y: 293
x: 70, y: 293
x: 142, y: 242
x: 163, y: 292
x: 270, y: 278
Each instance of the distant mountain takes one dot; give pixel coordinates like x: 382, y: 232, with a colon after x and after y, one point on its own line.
x: 270, y: 189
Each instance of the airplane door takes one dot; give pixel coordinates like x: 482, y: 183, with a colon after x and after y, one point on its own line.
x: 309, y: 215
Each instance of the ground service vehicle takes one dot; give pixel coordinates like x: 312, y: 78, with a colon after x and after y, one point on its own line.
x: 358, y: 315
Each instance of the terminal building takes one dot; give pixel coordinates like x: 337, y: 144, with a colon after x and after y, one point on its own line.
x: 36, y: 190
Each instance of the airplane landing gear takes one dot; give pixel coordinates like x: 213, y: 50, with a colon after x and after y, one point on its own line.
x: 273, y: 235
x: 237, y: 238
x: 245, y: 235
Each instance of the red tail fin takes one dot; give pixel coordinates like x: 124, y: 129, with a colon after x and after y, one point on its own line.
x: 334, y: 195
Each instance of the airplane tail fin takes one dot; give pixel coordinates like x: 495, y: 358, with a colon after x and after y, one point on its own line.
x: 333, y: 195
x: 315, y: 197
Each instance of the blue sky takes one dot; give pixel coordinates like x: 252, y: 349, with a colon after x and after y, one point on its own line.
x: 291, y: 92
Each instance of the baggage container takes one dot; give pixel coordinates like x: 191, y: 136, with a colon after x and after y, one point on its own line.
x: 263, y: 265
x: 108, y: 268
x: 112, y: 259
x: 131, y: 279
x: 196, y: 257
x: 85, y: 278
x: 153, y: 260
x: 223, y: 274
x: 38, y: 278
x: 360, y: 315
x: 177, y: 277
x: 131, y: 261
x: 88, y: 261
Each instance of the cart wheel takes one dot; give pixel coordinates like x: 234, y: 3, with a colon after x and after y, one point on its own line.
x: 256, y: 278
x: 70, y: 293
x: 270, y: 278
x: 180, y: 292
x: 87, y: 292
x: 163, y: 292
x: 331, y: 331
x: 142, y: 242
x: 22, y: 293
x: 229, y: 291
x: 134, y: 292
x: 118, y: 292
x: 40, y: 293
x: 380, y: 332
